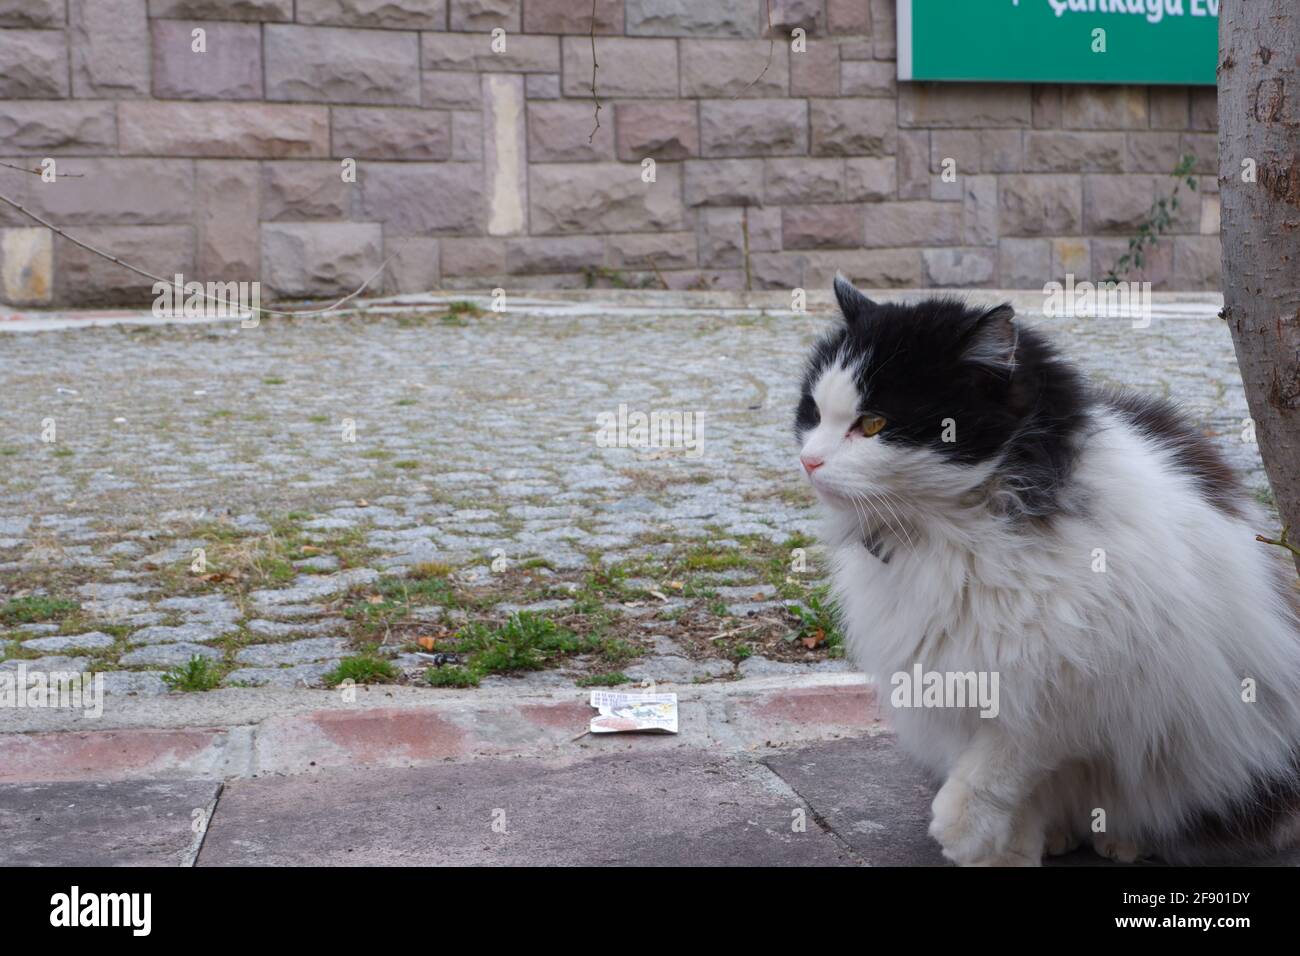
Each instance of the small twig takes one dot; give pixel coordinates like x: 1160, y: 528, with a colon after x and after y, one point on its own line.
x: 744, y: 230
x: 40, y: 172
x: 663, y: 282
x: 771, y: 49
x: 180, y: 288
x: 1280, y: 541
x: 745, y: 627
x: 594, y: 65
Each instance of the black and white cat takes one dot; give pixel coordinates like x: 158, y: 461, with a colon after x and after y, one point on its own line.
x: 989, y: 512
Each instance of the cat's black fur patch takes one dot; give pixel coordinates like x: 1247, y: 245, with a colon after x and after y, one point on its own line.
x: 1028, y: 410
x: 1249, y: 824
x: 1008, y: 393
x: 1195, y: 456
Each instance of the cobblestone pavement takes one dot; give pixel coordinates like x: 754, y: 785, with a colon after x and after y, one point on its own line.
x: 398, y: 484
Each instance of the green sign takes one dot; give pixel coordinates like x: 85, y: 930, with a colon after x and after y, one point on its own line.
x: 1059, y: 41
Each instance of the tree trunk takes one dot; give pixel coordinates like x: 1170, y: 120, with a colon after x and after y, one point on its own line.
x: 1259, y: 129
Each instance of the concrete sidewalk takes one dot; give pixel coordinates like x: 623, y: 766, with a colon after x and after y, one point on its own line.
x: 773, y: 771
x: 404, y: 775
x: 776, y: 770
x: 651, y: 805
x: 763, y: 772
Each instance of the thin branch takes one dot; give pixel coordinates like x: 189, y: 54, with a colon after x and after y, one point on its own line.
x: 40, y: 172
x: 744, y: 229
x: 1280, y: 541
x: 653, y: 265
x: 594, y: 65
x: 180, y: 288
x: 744, y: 627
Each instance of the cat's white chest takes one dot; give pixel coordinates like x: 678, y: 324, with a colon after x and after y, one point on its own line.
x: 891, y: 611
x: 941, y: 608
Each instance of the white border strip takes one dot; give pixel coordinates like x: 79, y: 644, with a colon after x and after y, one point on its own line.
x: 904, y: 39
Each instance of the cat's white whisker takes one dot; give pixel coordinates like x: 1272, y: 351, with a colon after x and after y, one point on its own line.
x: 885, y: 497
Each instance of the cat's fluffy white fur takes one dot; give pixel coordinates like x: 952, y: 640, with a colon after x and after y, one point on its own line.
x: 1121, y: 690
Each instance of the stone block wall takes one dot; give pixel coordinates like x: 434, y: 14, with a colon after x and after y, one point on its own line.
x: 477, y: 166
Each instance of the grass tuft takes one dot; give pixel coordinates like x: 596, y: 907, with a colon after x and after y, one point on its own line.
x: 528, y: 642
x: 603, y: 680
x: 35, y: 609
x: 196, y: 674
x: 362, y: 669
x: 427, y: 570
x: 451, y: 676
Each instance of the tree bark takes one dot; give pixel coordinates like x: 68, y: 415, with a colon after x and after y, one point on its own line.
x: 1259, y: 125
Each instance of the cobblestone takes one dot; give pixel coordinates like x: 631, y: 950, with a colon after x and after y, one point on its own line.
x: 302, y: 675
x: 49, y: 664
x: 169, y: 655
x: 293, y: 652
x: 161, y: 634
x: 95, y: 640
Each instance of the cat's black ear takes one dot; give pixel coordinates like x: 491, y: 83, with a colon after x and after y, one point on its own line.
x: 853, y: 303
x: 992, y: 340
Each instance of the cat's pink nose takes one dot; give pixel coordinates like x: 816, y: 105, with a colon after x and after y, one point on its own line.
x: 810, y: 464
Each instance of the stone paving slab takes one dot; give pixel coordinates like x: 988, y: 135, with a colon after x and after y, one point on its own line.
x: 867, y: 792
x: 878, y: 802
x: 678, y: 808
x: 127, y: 823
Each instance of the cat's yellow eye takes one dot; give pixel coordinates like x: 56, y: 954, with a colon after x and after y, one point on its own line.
x: 870, y: 424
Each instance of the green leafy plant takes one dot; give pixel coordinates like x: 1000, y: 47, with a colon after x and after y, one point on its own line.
x: 458, y: 311
x: 593, y: 274
x: 524, y: 642
x: 1157, y: 222
x: 818, y: 621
